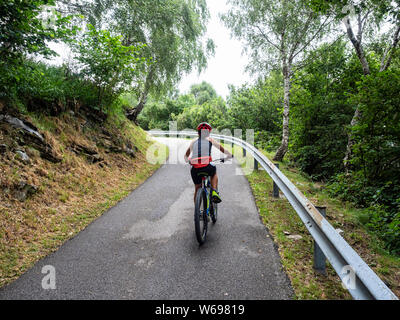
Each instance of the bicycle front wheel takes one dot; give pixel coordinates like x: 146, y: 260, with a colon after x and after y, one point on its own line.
x: 200, y: 216
x: 214, y: 212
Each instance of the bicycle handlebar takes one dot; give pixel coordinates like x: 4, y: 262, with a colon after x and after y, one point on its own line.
x: 223, y: 159
x: 217, y: 160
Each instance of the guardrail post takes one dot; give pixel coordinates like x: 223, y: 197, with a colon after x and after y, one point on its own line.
x: 255, y: 164
x: 244, y: 152
x: 275, y: 192
x: 319, y: 257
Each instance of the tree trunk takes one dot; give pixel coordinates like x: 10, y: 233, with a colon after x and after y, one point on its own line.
x: 388, y: 55
x: 350, y: 140
x: 133, y: 113
x: 357, y: 114
x: 286, y: 104
x: 358, y: 47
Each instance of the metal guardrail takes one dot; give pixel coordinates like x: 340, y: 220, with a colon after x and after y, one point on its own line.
x: 366, y: 284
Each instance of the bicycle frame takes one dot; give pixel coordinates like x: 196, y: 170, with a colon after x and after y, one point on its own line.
x: 206, y: 183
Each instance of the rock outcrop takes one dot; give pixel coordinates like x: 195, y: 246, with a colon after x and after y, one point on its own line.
x: 26, y: 134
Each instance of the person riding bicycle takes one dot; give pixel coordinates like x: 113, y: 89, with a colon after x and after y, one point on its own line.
x: 201, y: 160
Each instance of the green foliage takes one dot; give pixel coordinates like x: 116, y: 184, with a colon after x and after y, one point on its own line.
x: 213, y: 112
x: 374, y: 182
x: 53, y: 89
x: 203, y: 92
x: 257, y: 107
x: 376, y: 161
x: 158, y: 114
x: 108, y: 63
x: 379, y: 8
x: 23, y: 31
x: 386, y: 225
x: 171, y: 30
x: 353, y: 188
x: 161, y: 41
x: 384, y: 222
x: 321, y: 110
x: 277, y: 35
x: 377, y: 134
x: 276, y: 32
x: 187, y: 110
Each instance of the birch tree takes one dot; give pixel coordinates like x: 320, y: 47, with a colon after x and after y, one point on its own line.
x: 277, y: 34
x: 172, y: 31
x: 367, y: 13
x: 364, y: 19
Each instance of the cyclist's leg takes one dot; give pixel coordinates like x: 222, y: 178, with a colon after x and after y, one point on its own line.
x: 212, y: 172
x: 214, y: 181
x: 196, y: 180
x: 215, y: 194
x: 196, y: 188
x: 214, y: 184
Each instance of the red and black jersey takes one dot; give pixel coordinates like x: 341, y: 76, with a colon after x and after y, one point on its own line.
x: 201, y: 153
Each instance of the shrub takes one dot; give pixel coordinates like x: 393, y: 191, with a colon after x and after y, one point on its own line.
x: 385, y: 224
x: 381, y: 205
x: 52, y: 89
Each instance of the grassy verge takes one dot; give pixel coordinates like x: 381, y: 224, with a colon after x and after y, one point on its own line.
x: 71, y: 194
x: 297, y: 255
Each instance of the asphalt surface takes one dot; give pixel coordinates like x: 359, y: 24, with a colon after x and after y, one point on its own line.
x: 145, y: 247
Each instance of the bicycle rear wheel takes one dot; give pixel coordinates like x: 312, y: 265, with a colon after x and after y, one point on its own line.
x: 200, y: 216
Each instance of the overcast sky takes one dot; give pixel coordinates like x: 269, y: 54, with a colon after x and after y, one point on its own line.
x: 228, y: 65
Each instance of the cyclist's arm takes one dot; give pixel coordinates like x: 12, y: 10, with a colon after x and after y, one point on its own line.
x: 221, y: 148
x: 188, y: 151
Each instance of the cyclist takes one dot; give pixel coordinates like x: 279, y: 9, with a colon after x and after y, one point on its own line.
x: 201, y: 160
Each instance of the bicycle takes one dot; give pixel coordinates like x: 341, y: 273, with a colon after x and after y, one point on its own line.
x: 210, y: 209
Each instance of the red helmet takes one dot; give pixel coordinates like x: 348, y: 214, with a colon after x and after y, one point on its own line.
x: 204, y: 126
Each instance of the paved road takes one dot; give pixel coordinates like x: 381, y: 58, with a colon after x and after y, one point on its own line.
x: 145, y: 247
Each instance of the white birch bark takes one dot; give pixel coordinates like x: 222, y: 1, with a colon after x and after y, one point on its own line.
x: 286, y: 111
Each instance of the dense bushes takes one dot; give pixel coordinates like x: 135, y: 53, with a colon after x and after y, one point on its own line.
x: 23, y: 32
x: 188, y: 110
x: 158, y: 114
x: 374, y: 181
x: 377, y: 135
x: 213, y: 111
x: 386, y: 224
x: 102, y: 67
x: 53, y: 89
x: 256, y: 108
x: 321, y: 111
x: 110, y: 65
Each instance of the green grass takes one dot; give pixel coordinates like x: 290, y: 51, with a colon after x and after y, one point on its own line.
x: 297, y: 256
x: 67, y: 202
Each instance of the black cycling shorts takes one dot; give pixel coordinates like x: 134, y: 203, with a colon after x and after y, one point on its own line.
x: 199, y: 173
